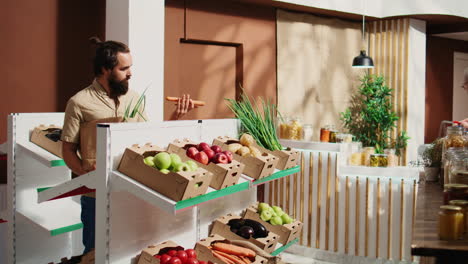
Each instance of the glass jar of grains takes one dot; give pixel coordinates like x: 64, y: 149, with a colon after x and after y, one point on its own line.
x: 451, y: 222
x: 366, y: 152
x: 464, y: 206
x: 307, y: 132
x: 295, y: 129
x: 391, y: 157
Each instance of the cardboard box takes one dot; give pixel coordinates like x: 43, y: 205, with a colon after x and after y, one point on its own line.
x: 221, y: 227
x: 146, y: 256
x: 224, y: 175
x: 204, y: 252
x: 286, y: 233
x: 175, y: 185
x: 39, y: 137
x: 288, y: 158
x: 255, y: 167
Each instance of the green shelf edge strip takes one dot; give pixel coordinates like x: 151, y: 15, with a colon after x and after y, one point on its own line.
x: 283, y: 248
x: 57, y: 163
x: 42, y: 189
x: 66, y: 229
x: 212, y: 195
x: 278, y: 175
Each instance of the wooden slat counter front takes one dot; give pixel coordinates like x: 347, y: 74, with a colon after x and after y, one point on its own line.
x: 426, y: 240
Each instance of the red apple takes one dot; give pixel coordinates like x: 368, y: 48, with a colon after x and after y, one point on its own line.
x: 229, y: 155
x: 157, y: 256
x: 165, y: 259
x: 191, y: 253
x: 210, y: 153
x: 216, y: 148
x: 202, y: 146
x: 191, y: 152
x: 175, y: 260
x: 201, y: 157
x: 191, y: 261
x: 182, y: 255
x: 202, y: 262
x: 172, y: 253
x: 220, y: 158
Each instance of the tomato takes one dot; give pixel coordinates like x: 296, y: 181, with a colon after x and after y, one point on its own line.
x: 192, y: 261
x: 191, y: 253
x: 182, y: 255
x: 172, y: 253
x: 165, y: 259
x: 175, y: 260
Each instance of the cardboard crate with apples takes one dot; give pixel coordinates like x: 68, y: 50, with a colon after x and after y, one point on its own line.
x: 204, y: 250
x: 221, y: 227
x: 287, y: 232
x: 184, y: 183
x: 261, y: 165
x: 226, y: 171
x: 48, y: 138
x: 168, y: 253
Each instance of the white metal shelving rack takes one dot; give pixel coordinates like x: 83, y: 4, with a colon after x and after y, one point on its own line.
x: 129, y: 216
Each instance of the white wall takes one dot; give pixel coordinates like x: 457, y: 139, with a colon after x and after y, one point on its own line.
x: 416, y: 86
x: 460, y: 96
x: 385, y: 8
x: 140, y: 24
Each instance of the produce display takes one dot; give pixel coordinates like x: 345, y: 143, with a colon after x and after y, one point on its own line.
x: 273, y: 214
x: 246, y: 147
x: 247, y: 228
x: 204, y: 153
x: 173, y: 256
x: 166, y: 163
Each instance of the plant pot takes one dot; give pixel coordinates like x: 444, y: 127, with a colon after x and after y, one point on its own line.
x: 431, y: 173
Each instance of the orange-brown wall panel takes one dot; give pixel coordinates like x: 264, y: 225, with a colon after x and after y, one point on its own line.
x: 439, y: 82
x: 45, y: 53
x: 210, y: 72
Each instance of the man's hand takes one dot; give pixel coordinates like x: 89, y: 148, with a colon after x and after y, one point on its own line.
x: 464, y: 123
x: 183, y: 106
x: 71, y: 158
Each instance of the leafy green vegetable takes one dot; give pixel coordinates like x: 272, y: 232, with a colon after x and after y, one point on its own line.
x: 137, y: 109
x: 257, y: 122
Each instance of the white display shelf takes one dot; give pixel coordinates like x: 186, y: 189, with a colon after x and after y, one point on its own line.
x: 76, y: 186
x: 40, y: 154
x: 56, y: 217
x: 311, y: 145
x: 407, y: 173
x: 3, y: 148
x: 121, y: 182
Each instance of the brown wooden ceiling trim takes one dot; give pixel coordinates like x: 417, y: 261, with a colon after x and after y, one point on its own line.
x: 447, y: 28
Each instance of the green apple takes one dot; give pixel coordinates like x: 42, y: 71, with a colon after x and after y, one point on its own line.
x: 165, y: 171
x: 276, y: 220
x: 162, y: 160
x: 262, y: 207
x: 273, y: 213
x: 278, y: 210
x: 192, y: 164
x: 175, y: 159
x: 286, y: 219
x: 182, y: 167
x: 149, y: 161
x: 266, y: 215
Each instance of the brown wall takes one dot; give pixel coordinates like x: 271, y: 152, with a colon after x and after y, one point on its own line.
x: 212, y: 72
x: 46, y: 56
x: 439, y: 82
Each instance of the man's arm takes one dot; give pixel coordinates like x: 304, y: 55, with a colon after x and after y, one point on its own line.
x: 71, y: 158
x: 183, y: 106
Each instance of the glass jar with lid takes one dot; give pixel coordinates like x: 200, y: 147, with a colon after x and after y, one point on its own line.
x: 283, y: 127
x: 295, y: 129
x: 464, y: 206
x: 307, y: 132
x: 454, y: 139
x: 378, y: 160
x: 391, y: 157
x: 451, y: 222
x: 366, y: 152
x: 458, y: 171
x: 325, y: 133
x: 453, y: 191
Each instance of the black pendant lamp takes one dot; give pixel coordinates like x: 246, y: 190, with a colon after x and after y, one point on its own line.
x: 362, y: 60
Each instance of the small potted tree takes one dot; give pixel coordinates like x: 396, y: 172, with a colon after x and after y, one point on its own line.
x: 432, y: 160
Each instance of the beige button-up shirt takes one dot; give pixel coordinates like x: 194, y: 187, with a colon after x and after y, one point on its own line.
x: 93, y: 103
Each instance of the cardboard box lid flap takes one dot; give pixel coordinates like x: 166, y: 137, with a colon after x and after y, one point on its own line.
x: 147, y: 147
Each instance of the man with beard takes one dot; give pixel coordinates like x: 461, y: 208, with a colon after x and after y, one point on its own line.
x: 108, y: 96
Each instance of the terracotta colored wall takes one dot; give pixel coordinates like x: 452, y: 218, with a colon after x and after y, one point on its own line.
x: 439, y: 82
x: 46, y: 56
x: 208, y: 72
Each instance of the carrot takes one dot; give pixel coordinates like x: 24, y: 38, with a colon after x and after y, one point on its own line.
x: 246, y: 260
x: 228, y: 261
x: 234, y: 250
x: 233, y: 258
x: 175, y: 99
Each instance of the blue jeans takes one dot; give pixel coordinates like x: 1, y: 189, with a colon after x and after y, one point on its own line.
x: 88, y: 218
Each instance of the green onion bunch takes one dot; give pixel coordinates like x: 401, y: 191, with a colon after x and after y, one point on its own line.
x: 257, y: 122
x: 138, y: 108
